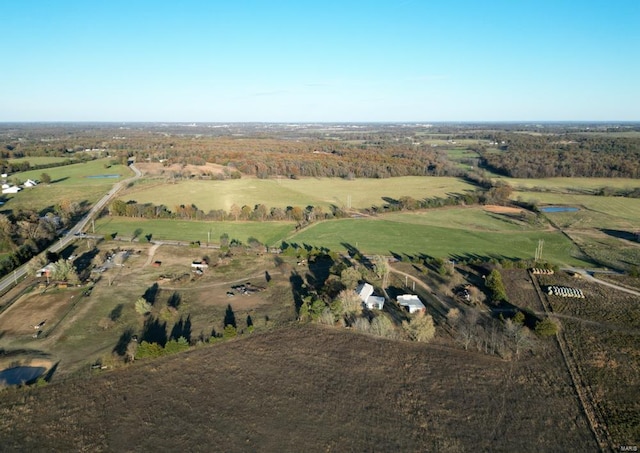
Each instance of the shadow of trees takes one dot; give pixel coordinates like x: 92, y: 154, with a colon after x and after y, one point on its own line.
x: 154, y: 331
x: 298, y: 289
x: 125, y: 338
x: 229, y: 317
x: 116, y: 313
x: 174, y: 300
x: 151, y: 293
x: 181, y: 329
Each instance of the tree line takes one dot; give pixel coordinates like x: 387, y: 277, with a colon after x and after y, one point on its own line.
x: 543, y: 156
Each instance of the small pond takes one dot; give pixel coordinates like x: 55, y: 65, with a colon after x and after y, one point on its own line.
x: 102, y: 176
x: 559, y: 209
x: 20, y: 374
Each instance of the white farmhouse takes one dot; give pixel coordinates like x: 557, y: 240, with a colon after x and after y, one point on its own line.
x: 30, y: 183
x: 365, y: 291
x: 10, y: 189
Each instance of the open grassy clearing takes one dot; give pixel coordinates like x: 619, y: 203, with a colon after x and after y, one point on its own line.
x: 183, y: 230
x: 382, y: 236
x: 471, y: 218
x: 76, y: 174
x: 570, y: 184
x: 607, y: 250
x: 45, y: 197
x: 39, y: 160
x: 208, y: 195
x: 617, y: 208
x: 69, y: 183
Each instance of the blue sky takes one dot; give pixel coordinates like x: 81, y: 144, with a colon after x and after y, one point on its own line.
x: 405, y: 60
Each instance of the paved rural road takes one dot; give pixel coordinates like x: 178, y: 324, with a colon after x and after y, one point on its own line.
x: 588, y: 275
x: 61, y: 243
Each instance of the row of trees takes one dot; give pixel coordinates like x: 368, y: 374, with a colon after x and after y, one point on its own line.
x: 26, y: 233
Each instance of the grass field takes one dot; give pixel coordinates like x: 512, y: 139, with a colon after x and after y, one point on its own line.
x: 208, y: 195
x: 68, y: 182
x: 597, y: 212
x: 382, y: 236
x: 76, y: 174
x: 178, y: 230
x: 441, y: 233
x: 468, y: 218
x: 570, y: 184
x: 39, y: 160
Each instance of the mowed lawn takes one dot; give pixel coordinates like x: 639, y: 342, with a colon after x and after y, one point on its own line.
x: 360, y: 193
x: 269, y: 233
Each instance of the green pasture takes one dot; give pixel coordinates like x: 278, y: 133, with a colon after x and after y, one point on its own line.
x: 595, y: 211
x: 473, y: 218
x: 569, y: 184
x: 460, y: 153
x: 39, y: 160
x: 363, y: 193
x: 382, y: 236
x: 43, y: 197
x: 68, y: 183
x: 441, y: 233
x: 182, y: 230
x: 76, y: 174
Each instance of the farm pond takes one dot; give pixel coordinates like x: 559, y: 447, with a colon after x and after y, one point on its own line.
x: 548, y: 209
x: 20, y: 375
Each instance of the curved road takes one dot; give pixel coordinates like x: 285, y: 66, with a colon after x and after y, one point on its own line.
x: 588, y: 275
x: 60, y: 244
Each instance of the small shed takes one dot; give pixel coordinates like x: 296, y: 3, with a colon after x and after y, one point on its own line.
x: 411, y: 303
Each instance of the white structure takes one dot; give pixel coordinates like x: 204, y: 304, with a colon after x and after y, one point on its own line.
x: 365, y: 291
x: 411, y: 302
x: 30, y: 183
x: 10, y: 189
x: 199, y: 265
x: 45, y: 271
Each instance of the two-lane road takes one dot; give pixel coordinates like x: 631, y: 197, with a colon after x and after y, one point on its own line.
x: 63, y: 241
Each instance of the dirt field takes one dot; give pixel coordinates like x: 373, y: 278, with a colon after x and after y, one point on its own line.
x: 603, y: 334
x: 501, y: 209
x: 35, y: 307
x: 306, y: 389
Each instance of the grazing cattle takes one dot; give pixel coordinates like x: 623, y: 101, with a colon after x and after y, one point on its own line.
x: 41, y: 325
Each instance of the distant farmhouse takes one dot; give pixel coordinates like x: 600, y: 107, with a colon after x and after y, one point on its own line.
x: 411, y: 303
x: 6, y: 188
x: 365, y: 291
x: 30, y: 183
